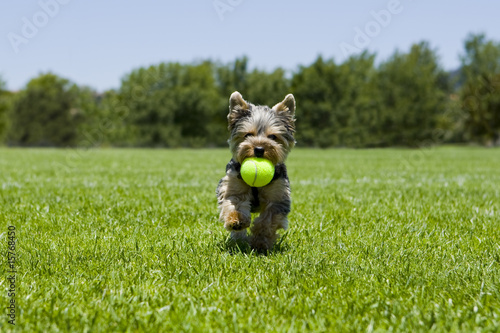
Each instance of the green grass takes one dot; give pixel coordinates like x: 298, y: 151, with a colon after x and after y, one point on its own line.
x: 128, y: 240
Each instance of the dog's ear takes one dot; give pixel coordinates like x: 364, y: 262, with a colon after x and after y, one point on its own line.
x: 286, y: 106
x: 286, y: 111
x: 238, y: 108
x: 236, y: 100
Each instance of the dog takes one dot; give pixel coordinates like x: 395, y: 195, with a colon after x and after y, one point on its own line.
x: 257, y: 131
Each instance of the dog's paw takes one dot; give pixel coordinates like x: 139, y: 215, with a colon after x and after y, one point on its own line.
x: 261, y: 244
x: 239, y: 235
x: 236, y: 221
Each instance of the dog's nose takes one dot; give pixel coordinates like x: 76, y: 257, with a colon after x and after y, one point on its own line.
x: 258, y: 151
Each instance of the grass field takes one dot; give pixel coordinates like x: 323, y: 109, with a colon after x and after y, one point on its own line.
x: 128, y: 240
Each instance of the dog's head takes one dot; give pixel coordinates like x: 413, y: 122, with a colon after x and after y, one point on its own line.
x: 260, y: 131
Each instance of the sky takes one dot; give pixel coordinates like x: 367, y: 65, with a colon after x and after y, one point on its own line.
x: 96, y: 43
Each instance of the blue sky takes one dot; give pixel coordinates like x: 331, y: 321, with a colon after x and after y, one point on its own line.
x: 96, y: 43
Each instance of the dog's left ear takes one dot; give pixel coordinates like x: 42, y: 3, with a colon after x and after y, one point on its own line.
x: 238, y: 108
x: 286, y: 106
x: 237, y: 101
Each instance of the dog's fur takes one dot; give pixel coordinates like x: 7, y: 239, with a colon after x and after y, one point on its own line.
x: 257, y: 131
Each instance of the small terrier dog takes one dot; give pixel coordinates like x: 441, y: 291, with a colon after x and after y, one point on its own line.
x: 257, y: 131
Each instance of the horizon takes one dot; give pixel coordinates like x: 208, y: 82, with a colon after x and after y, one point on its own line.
x: 93, y: 44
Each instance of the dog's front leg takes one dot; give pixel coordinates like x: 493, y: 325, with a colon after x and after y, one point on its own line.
x: 275, y: 200
x: 234, y: 205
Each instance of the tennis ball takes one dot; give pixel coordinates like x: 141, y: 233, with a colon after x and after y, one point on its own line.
x: 256, y: 171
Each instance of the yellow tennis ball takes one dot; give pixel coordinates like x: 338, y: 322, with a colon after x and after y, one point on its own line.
x: 256, y: 171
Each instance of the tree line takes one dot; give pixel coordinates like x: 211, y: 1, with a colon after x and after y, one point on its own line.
x: 406, y: 100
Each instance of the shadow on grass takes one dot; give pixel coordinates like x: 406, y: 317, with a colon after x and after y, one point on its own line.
x: 234, y: 247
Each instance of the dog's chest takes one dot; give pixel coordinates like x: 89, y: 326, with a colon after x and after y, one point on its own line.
x: 254, y: 201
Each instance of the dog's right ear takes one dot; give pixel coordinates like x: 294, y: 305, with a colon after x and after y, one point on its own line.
x: 238, y: 108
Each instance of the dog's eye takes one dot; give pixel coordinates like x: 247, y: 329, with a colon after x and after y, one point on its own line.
x: 248, y: 134
x: 272, y: 137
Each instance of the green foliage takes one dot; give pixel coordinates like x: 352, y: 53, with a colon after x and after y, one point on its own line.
x: 357, y: 109
x: 315, y: 90
x: 407, y: 100
x: 481, y: 57
x: 128, y: 241
x: 92, y: 129
x: 228, y: 78
x: 481, y: 92
x: 169, y: 105
x: 44, y: 114
x: 232, y: 77
x: 175, y: 105
x: 267, y: 88
x: 413, y: 95
x: 112, y: 119
x: 5, y: 105
x: 356, y: 104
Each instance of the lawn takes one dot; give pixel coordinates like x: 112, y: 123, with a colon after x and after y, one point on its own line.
x: 118, y: 240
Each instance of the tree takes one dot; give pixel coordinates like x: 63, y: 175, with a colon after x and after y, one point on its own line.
x: 147, y: 98
x: 480, y: 94
x: 357, y: 110
x: 112, y: 119
x: 5, y: 99
x: 267, y: 88
x: 170, y: 105
x: 196, y: 105
x: 315, y: 88
x: 228, y: 78
x: 339, y: 103
x: 44, y: 114
x: 232, y: 77
x: 94, y: 126
x: 413, y: 92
